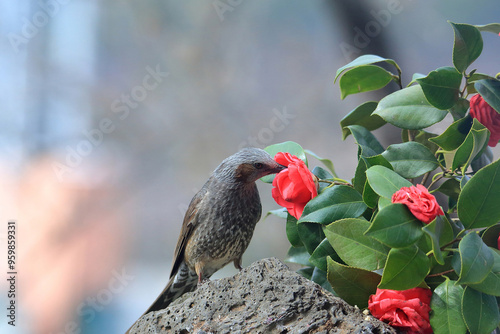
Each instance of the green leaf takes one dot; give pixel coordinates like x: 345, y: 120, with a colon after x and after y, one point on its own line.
x: 395, y: 226
x: 354, y: 285
x: 288, y: 146
x: 492, y: 27
x: 320, y: 277
x: 354, y: 248
x: 281, y: 213
x: 332, y: 204
x: 454, y: 135
x: 368, y: 144
x: 467, y: 46
x: 318, y: 257
x: 361, y: 115
x: 409, y: 109
x: 490, y: 236
x: 441, y: 87
x: 311, y: 235
x: 363, y: 79
x: 476, y: 260
x: 490, y: 91
x: 327, y: 162
x: 479, y: 199
x: 480, y: 311
x: 385, y: 182
x: 369, y: 196
x: 440, y: 233
x: 410, y: 159
x: 491, y: 284
x: 366, y: 60
x: 451, y: 188
x: 292, y: 231
x: 421, y: 137
x: 474, y: 143
x: 460, y: 108
x: 446, y: 304
x: 405, y: 268
x: 298, y: 255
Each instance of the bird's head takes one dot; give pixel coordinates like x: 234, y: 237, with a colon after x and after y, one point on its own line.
x: 248, y: 165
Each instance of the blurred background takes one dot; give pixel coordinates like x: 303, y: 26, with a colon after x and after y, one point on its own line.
x: 114, y: 113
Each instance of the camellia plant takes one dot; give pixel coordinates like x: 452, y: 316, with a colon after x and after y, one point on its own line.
x: 414, y: 235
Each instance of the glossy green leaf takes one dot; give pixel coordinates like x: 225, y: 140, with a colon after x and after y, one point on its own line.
x: 298, y: 255
x: 354, y: 285
x: 405, y: 268
x: 490, y: 91
x: 368, y: 144
x: 482, y: 160
x: 441, y: 87
x: 410, y: 159
x: 366, y: 60
x: 318, y: 257
x: 454, y: 135
x: 474, y: 143
x: 460, y: 108
x: 311, y: 235
x: 492, y: 27
x: 395, y: 226
x: 327, y: 162
x: 288, y: 146
x: 478, y: 202
x: 354, y: 248
x: 467, y: 46
x: 480, y: 311
x: 476, y: 260
x: 385, y: 182
x: 409, y: 109
x: 446, y: 304
x: 490, y: 236
x: 359, y: 179
x: 369, y: 196
x: 281, y: 213
x: 451, y: 188
x: 440, y: 233
x: 421, y: 137
x: 363, y: 79
x: 292, y: 231
x: 319, y: 277
x: 361, y: 115
x: 491, y: 284
x: 332, y: 204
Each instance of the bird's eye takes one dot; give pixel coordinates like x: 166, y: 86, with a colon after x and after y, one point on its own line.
x: 258, y: 165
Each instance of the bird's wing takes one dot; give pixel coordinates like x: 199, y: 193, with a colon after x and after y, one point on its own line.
x: 188, y: 226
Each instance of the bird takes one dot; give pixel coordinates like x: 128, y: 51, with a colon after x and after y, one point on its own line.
x: 219, y: 222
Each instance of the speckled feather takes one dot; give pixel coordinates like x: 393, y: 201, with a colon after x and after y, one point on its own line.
x: 219, y: 222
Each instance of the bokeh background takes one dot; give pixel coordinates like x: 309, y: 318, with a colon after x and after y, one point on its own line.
x: 114, y: 113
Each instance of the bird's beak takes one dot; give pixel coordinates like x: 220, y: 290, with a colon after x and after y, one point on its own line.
x: 278, y: 168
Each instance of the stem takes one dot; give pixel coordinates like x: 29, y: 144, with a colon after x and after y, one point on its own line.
x: 439, y: 177
x: 410, y: 136
x: 425, y: 177
x: 442, y: 273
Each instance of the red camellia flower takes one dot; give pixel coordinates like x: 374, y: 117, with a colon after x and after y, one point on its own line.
x: 294, y: 186
x: 487, y: 116
x: 406, y: 310
x: 421, y: 204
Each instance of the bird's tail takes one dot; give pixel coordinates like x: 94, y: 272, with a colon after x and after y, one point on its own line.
x: 182, y: 282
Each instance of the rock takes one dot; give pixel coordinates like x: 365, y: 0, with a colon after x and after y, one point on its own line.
x: 265, y: 297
